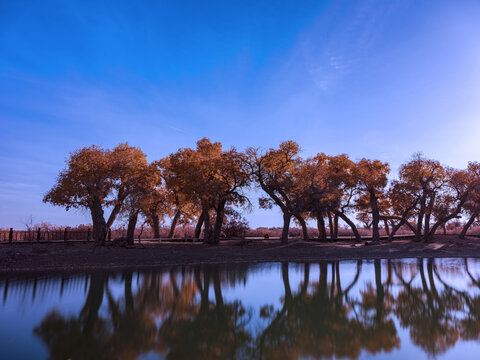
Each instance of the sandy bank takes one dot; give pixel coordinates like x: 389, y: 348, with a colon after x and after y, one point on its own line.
x: 61, y: 257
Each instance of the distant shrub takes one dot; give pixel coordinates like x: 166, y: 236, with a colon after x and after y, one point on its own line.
x: 235, y: 225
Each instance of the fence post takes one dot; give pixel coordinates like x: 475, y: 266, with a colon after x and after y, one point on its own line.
x: 88, y: 235
x: 109, y: 234
x: 65, y: 234
x: 10, y: 235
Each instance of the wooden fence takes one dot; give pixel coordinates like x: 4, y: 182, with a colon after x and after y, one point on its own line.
x: 32, y: 236
x: 10, y: 236
x: 43, y: 235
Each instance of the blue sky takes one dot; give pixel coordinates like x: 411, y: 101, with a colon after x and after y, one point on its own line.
x: 378, y: 79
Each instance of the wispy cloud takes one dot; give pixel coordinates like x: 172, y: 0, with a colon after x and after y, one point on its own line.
x: 334, y: 48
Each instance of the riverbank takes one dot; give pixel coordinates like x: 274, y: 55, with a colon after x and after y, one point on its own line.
x: 78, y: 256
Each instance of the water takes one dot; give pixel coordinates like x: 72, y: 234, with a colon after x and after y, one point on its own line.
x: 356, y: 309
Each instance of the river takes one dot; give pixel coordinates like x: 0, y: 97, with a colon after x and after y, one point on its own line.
x: 394, y: 309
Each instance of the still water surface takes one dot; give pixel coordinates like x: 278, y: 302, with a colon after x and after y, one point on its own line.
x: 356, y: 309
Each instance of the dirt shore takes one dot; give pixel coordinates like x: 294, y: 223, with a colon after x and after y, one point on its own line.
x: 78, y: 256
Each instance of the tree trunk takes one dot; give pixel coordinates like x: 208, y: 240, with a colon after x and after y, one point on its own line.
x: 467, y: 225
x: 198, y: 228
x: 442, y: 221
x: 351, y: 224
x: 286, y: 227
x: 303, y: 224
x: 380, y: 291
x: 418, y: 231
x: 171, y: 233
x: 339, y: 282
x: 132, y: 223
x: 335, y: 227
x: 218, y: 290
x: 431, y: 279
x: 410, y: 226
x: 155, y: 224
x: 203, y: 290
x: 403, y: 220
x: 387, y: 229
x: 332, y: 282
x: 206, y: 228
x: 428, y: 214
x: 113, y: 215
x: 128, y: 292
x: 218, y: 221
x: 286, y: 284
x: 375, y: 217
x: 89, y: 312
x: 426, y: 226
x: 322, y: 235
x: 330, y: 226
x: 99, y: 225
x: 306, y: 279
x: 426, y: 291
x: 395, y: 229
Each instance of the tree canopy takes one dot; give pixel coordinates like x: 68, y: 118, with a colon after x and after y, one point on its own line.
x: 204, y: 183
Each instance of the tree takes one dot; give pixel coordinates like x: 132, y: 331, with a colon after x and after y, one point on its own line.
x: 155, y: 207
x: 402, y: 197
x: 428, y: 177
x: 176, y: 204
x: 442, y: 209
x: 460, y: 185
x: 316, y: 186
x: 371, y: 178
x: 128, y: 169
x: 211, y: 177
x: 364, y: 216
x: 472, y: 205
x: 428, y: 191
x: 342, y: 191
x: 95, y: 178
x: 140, y: 198
x: 277, y: 174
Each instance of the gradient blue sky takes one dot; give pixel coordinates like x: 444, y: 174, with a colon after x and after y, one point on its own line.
x: 379, y: 79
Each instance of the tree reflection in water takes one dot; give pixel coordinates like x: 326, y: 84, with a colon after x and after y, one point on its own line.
x: 184, y: 314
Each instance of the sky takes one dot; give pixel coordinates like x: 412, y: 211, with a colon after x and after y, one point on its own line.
x: 376, y: 79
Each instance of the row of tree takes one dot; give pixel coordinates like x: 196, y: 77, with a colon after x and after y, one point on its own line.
x: 207, y: 183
